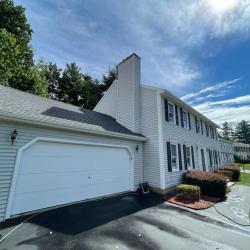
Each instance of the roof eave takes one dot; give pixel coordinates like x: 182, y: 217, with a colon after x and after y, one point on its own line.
x: 187, y: 106
x: 33, y: 121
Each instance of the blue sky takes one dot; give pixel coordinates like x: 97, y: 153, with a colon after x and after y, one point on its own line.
x: 198, y: 50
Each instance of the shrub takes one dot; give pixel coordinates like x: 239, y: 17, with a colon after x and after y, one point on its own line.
x: 211, y: 184
x: 189, y: 192
x: 235, y: 169
x: 227, y: 173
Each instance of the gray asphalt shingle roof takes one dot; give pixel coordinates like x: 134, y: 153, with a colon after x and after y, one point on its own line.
x: 15, y: 103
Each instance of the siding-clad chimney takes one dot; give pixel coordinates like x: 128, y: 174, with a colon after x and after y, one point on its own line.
x: 128, y: 110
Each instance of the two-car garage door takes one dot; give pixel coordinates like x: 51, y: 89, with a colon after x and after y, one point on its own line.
x: 53, y: 173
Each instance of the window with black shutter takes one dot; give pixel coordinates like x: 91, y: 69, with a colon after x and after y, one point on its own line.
x: 201, y: 127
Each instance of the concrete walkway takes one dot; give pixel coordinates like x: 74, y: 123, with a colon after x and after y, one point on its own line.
x: 236, y: 208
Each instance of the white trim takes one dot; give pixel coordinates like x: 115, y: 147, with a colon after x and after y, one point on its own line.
x: 161, y: 142
x: 177, y: 157
x: 48, y: 139
x: 187, y: 127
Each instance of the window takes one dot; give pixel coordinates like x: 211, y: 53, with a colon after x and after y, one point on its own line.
x: 171, y: 112
x: 198, y: 126
x: 188, y: 157
x: 185, y: 119
x: 174, y: 157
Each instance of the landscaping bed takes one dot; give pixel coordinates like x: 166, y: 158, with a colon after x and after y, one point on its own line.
x: 203, y: 203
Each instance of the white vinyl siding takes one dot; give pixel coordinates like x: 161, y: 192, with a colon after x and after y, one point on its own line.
x: 27, y: 133
x: 178, y: 135
x: 108, y: 103
x: 149, y: 128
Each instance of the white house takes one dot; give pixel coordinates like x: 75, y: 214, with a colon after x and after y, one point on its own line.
x: 179, y: 137
x: 52, y: 153
x: 227, y: 151
x: 242, y: 150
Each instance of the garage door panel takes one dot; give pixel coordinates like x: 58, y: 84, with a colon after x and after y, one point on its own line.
x: 50, y: 164
x: 71, y: 150
x: 42, y: 199
x: 52, y: 174
x: 45, y: 181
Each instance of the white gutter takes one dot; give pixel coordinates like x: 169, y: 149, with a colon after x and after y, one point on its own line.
x: 76, y: 128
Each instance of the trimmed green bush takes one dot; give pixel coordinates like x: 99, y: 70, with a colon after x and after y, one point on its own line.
x: 227, y: 173
x: 235, y: 169
x: 189, y: 192
x: 211, y: 184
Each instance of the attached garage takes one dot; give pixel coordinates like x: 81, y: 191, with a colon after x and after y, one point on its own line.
x: 53, y: 172
x: 61, y: 154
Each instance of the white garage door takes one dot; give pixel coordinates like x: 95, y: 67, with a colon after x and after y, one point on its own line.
x: 52, y: 173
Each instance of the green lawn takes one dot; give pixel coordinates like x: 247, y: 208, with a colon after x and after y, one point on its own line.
x: 244, y: 179
x: 247, y: 166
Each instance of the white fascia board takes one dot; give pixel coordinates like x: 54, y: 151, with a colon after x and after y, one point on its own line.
x: 74, y: 128
x: 177, y: 100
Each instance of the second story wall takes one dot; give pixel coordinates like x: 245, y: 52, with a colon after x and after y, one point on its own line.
x: 185, y: 133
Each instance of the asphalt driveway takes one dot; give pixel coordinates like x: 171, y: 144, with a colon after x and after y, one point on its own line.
x: 125, y: 222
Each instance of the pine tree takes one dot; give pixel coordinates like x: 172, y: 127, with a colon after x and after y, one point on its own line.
x: 242, y: 132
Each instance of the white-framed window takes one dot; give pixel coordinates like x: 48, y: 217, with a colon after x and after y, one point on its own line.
x: 171, y: 112
x: 174, y: 160
x: 188, y: 157
x: 185, y: 119
x: 198, y: 125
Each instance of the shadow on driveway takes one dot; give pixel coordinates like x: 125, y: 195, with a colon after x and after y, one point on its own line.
x: 77, y: 218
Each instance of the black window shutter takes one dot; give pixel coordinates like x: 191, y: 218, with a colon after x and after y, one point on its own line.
x: 179, y: 153
x: 185, y: 156
x: 166, y: 109
x: 196, y: 125
x: 192, y: 152
x: 219, y: 157
x: 176, y: 115
x: 207, y: 131
x: 169, y: 157
x: 189, y: 121
x: 182, y: 123
x: 201, y: 127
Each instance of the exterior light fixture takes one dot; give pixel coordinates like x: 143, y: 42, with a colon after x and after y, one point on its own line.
x: 13, y: 136
x: 137, y: 148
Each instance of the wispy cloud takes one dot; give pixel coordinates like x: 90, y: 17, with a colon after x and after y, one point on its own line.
x: 96, y: 35
x: 211, y: 88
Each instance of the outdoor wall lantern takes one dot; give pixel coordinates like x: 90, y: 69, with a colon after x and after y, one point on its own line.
x: 137, y: 148
x: 13, y: 136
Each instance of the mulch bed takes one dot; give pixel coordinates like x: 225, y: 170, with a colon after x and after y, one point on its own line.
x: 204, y: 202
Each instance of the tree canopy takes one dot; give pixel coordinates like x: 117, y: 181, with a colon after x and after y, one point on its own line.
x: 19, y: 70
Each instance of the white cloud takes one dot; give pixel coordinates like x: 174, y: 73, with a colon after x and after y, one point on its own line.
x: 225, y: 110
x: 212, y: 88
x: 99, y: 35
